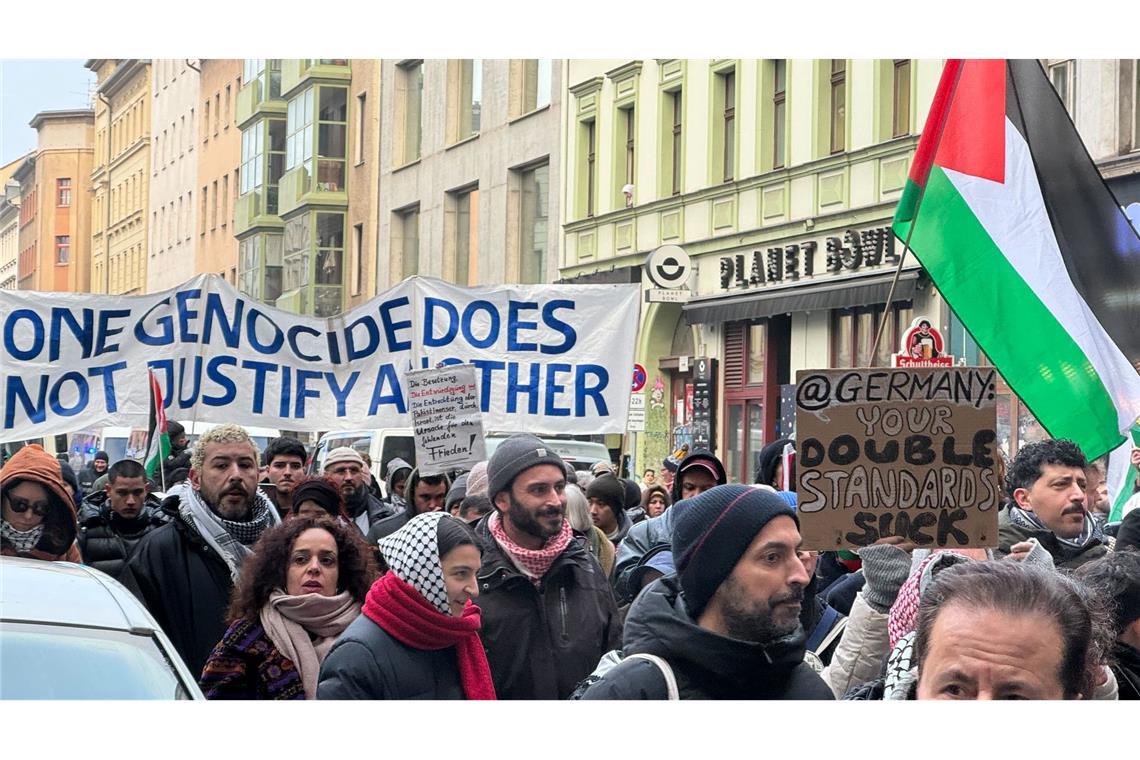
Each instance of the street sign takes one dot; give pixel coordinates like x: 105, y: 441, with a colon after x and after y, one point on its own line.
x: 639, y: 376
x: 636, y: 420
x: 660, y: 295
x: 637, y: 401
x: 668, y: 266
x: 683, y: 363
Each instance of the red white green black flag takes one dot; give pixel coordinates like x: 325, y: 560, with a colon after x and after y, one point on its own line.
x: 1013, y: 222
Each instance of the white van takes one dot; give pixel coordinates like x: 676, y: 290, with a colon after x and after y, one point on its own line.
x: 130, y: 443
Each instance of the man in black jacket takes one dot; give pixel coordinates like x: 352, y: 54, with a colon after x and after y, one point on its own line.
x: 727, y: 623
x: 548, y: 612
x: 425, y: 493
x: 113, y: 521
x: 89, y: 474
x: 1117, y: 577
x: 186, y: 570
x: 345, y: 467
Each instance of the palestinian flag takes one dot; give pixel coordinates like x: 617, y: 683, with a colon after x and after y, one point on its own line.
x: 158, y: 442
x: 1013, y: 222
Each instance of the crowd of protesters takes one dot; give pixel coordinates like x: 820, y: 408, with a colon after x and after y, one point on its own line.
x: 523, y: 578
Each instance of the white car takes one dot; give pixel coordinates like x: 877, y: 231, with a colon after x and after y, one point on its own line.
x: 68, y: 631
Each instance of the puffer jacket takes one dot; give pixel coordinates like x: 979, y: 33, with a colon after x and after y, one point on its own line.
x: 862, y: 651
x: 641, y: 538
x: 366, y: 662
x: 184, y: 584
x: 1064, y: 557
x: 705, y: 664
x: 541, y: 641
x: 106, y: 540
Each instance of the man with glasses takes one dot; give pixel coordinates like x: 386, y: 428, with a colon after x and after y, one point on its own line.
x: 38, y: 514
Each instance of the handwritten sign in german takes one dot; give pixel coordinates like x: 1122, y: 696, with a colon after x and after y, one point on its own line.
x: 897, y: 452
x: 447, y: 423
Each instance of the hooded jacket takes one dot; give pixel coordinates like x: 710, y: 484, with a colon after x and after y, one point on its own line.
x: 184, y: 584
x: 767, y: 459
x: 395, y: 466
x: 32, y: 463
x: 106, y: 540
x: 1064, y: 557
x: 705, y: 664
x: 541, y: 641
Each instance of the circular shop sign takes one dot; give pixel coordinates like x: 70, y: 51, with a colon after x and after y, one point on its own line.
x: 668, y: 266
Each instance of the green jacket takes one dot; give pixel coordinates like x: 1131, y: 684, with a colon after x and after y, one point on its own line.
x: 1010, y: 533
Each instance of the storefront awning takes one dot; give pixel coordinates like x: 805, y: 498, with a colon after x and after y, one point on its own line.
x: 835, y: 293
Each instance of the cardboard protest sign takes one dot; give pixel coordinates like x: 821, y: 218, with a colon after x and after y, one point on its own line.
x: 550, y: 358
x: 897, y: 452
x: 447, y: 424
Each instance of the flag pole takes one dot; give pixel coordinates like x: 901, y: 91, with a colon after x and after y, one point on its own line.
x: 914, y: 219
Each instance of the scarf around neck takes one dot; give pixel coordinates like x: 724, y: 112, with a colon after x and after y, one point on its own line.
x: 1090, y: 531
x: 231, y: 539
x: 23, y: 541
x: 408, y: 617
x: 304, y: 628
x: 536, y: 562
x: 412, y: 553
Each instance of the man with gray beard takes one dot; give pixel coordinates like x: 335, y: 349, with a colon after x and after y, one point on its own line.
x: 186, y: 570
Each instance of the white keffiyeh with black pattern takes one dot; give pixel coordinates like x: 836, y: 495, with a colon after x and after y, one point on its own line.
x: 412, y: 553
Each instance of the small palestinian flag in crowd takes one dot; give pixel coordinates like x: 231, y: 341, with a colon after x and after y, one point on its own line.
x: 1008, y: 214
x: 158, y: 441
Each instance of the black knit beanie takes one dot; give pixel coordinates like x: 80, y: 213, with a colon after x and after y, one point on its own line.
x: 712, y: 533
x: 322, y: 492
x: 610, y: 490
x: 632, y: 494
x: 513, y: 456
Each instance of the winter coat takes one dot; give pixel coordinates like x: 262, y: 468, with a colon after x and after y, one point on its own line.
x: 625, y: 523
x: 374, y: 512
x: 541, y: 641
x: 642, y: 537
x: 1128, y: 537
x: 705, y: 664
x: 862, y: 651
x: 32, y: 463
x: 388, y: 525
x: 1064, y: 557
x: 87, y: 477
x: 107, y: 540
x: 841, y: 593
x: 246, y: 664
x: 184, y: 584
x: 1127, y: 670
x: 366, y: 662
x: 812, y: 615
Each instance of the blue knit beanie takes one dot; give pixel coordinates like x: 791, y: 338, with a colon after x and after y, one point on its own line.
x: 712, y: 533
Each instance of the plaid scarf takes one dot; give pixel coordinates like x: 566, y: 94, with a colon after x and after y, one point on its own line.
x: 231, y: 539
x: 21, y: 541
x: 1090, y: 532
x: 535, y: 562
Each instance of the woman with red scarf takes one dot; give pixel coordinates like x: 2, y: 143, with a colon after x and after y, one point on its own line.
x: 419, y: 635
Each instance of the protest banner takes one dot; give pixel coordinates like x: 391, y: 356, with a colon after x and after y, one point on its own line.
x: 551, y: 358
x: 897, y: 452
x: 447, y: 423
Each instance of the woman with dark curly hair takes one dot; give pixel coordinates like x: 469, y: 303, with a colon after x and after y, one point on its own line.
x: 655, y: 500
x: 305, y: 582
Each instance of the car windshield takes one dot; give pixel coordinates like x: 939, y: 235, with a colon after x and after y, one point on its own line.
x: 57, y: 662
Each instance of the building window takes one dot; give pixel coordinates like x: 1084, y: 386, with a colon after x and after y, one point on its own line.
x: 676, y: 104
x: 466, y: 235
x: 63, y: 191
x: 332, y: 138
x: 728, y: 133
x: 214, y: 206
x: 226, y: 113
x: 534, y: 239
x: 267, y: 74
x: 467, y: 99
x: 838, y: 108
x: 744, y: 370
x: 591, y: 164
x: 853, y: 334
x: 357, y: 259
x: 329, y: 274
x: 217, y: 112
x: 630, y: 131
x: 206, y: 121
x: 299, y: 133
x: 901, y: 99
x: 225, y: 196
x: 779, y: 111
x: 205, y: 208
x: 410, y: 85
x: 1061, y: 75
x: 63, y: 249
x: 361, y: 124
x: 406, y: 230
x: 536, y: 81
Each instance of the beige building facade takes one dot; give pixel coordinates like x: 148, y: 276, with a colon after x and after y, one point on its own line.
x: 121, y: 175
x: 9, y: 224
x: 218, y: 152
x: 55, y: 204
x: 470, y: 170
x: 362, y: 213
x: 173, y: 173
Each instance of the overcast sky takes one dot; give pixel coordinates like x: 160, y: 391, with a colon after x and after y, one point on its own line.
x: 28, y: 86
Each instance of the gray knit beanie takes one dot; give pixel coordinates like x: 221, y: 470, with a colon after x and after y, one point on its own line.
x: 513, y: 456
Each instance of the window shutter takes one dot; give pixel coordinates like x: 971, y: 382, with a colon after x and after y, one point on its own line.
x: 734, y: 355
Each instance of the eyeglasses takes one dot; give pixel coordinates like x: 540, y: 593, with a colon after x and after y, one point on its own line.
x: 20, y: 506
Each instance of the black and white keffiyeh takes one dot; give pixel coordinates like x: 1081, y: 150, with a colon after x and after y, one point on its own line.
x: 231, y: 539
x: 1090, y: 531
x: 412, y: 553
x: 22, y: 540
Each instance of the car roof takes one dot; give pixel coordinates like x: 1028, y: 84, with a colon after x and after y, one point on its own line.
x: 37, y: 591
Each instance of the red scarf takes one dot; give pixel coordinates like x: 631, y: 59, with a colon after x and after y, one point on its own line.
x: 536, y: 561
x: 403, y: 612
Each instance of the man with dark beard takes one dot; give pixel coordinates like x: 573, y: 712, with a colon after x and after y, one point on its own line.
x: 548, y: 611
x: 186, y: 569
x: 727, y: 623
x: 345, y: 467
